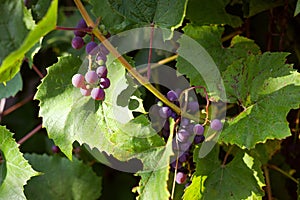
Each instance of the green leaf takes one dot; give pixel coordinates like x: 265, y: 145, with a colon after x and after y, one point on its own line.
x: 13, y: 32
x: 12, y: 87
x: 148, y: 187
x: 212, y: 180
x: 256, y: 6
x: 17, y: 171
x: 11, y: 64
x: 264, y: 152
x: 297, y: 10
x: 202, y: 12
x: 200, y: 66
x: 164, y: 13
x: 267, y: 88
x: 68, y: 116
x: 62, y: 179
x: 112, y: 20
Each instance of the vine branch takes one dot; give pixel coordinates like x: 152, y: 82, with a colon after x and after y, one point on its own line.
x: 30, y: 134
x: 268, y: 182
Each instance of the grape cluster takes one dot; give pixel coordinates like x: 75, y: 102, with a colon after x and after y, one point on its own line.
x: 80, y: 32
x: 95, y: 80
x: 187, y: 134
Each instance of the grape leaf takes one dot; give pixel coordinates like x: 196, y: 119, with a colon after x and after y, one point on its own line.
x: 148, y: 187
x: 297, y: 10
x: 112, y: 20
x: 17, y: 171
x: 11, y: 37
x: 254, y: 7
x: 164, y: 13
x: 193, y: 59
x: 267, y: 88
x: 12, y: 87
x: 212, y: 180
x: 264, y: 152
x: 203, y: 12
x: 62, y: 179
x: 68, y: 116
x: 12, y: 63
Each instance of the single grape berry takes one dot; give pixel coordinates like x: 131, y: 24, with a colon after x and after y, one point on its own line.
x: 180, y: 177
x: 165, y: 112
x: 198, y: 129
x: 101, y: 59
x: 90, y: 48
x: 77, y: 42
x: 55, y: 149
x: 91, y: 77
x: 85, y: 92
x: 182, y: 135
x: 104, y: 83
x: 102, y: 71
x: 172, y: 96
x: 216, y: 124
x: 173, y: 165
x: 193, y: 106
x: 199, y: 139
x: 184, y: 122
x: 78, y: 80
x: 184, y: 157
x: 103, y: 50
x: 82, y: 25
x: 97, y: 94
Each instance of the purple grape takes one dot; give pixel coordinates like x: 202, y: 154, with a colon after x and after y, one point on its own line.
x: 184, y: 157
x: 101, y: 71
x: 104, y: 83
x: 187, y: 184
x: 182, y: 135
x: 185, y: 146
x: 103, y: 50
x: 98, y: 94
x: 165, y: 112
x: 167, y: 126
x: 91, y: 77
x: 78, y: 80
x: 85, y: 92
x: 216, y: 124
x: 77, y: 42
x: 180, y: 177
x: 90, y: 48
x: 165, y: 133
x: 199, y: 139
x: 173, y: 115
x: 184, y: 122
x: 82, y: 25
x: 55, y: 149
x: 173, y: 165
x: 101, y: 59
x: 172, y: 96
x: 198, y: 129
x: 193, y: 106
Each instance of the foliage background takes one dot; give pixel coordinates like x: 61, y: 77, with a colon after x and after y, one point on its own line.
x: 273, y: 25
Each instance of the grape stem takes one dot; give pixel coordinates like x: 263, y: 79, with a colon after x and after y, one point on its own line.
x: 124, y: 62
x: 176, y: 165
x: 87, y: 30
x: 30, y: 134
x: 274, y: 167
x: 268, y: 182
x: 206, y: 97
x: 150, y: 52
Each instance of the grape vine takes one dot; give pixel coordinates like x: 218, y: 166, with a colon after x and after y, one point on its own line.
x: 177, y: 99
